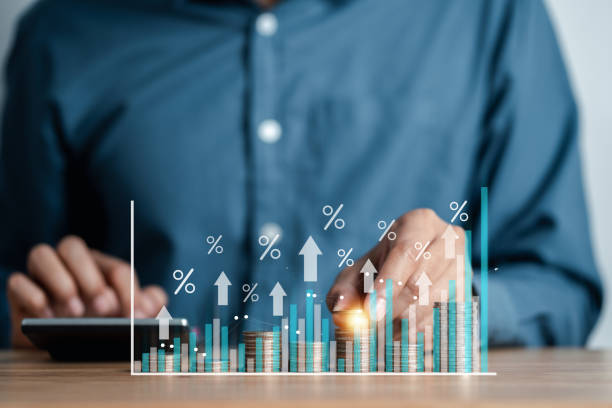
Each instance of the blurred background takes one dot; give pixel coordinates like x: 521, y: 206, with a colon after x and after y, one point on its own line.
x: 584, y: 32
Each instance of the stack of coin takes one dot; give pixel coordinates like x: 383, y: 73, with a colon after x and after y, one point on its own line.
x: 343, y: 336
x: 364, y: 349
x: 267, y: 348
x: 412, y: 357
x: 404, y: 359
x: 354, y: 319
x: 216, y: 366
x: 476, y: 334
x: 443, y: 335
x: 460, y: 328
x: 396, y: 356
x: 317, y: 357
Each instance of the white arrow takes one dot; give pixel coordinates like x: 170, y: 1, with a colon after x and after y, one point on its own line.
x: 222, y: 283
x: 423, y: 283
x: 310, y: 251
x: 277, y: 299
x: 368, y: 271
x: 163, y: 318
x: 449, y: 237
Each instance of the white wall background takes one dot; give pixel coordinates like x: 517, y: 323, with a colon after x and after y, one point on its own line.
x: 585, y: 33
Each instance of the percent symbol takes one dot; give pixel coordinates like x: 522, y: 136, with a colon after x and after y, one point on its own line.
x: 422, y: 250
x: 214, y: 244
x: 249, y: 289
x: 345, y: 257
x: 178, y: 275
x: 332, y: 213
x: 454, y: 206
x: 264, y: 241
x: 382, y: 225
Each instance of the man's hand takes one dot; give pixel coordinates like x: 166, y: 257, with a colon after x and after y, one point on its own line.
x: 395, y: 260
x: 73, y: 280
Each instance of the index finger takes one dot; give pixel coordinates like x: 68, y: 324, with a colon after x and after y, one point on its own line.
x: 399, y: 268
x: 76, y: 256
x: 348, y: 290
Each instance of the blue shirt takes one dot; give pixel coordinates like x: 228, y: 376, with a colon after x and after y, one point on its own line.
x: 382, y: 106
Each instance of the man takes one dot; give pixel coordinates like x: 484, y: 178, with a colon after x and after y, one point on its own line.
x: 223, y: 118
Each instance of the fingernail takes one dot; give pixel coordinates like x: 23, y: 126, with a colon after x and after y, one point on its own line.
x: 381, y: 309
x: 138, y: 314
x: 100, y: 304
x: 338, y: 304
x: 76, y: 306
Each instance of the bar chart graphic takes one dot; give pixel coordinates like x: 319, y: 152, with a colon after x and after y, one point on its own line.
x: 453, y: 343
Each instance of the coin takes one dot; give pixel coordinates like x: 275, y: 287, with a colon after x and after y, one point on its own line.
x: 269, y: 349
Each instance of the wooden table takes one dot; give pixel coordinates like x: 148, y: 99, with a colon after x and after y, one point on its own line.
x: 553, y: 377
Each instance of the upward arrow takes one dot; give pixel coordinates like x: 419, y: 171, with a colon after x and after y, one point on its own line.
x: 310, y: 251
x: 277, y: 299
x: 368, y: 271
x: 449, y: 237
x: 163, y: 318
x: 423, y: 283
x: 222, y: 284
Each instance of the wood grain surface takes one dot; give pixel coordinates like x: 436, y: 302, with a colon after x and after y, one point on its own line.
x: 549, y: 377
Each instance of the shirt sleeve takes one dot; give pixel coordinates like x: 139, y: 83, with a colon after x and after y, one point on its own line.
x: 544, y: 288
x: 32, y: 165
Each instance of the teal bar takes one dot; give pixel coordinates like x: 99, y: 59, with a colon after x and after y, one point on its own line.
x: 145, y: 362
x: 293, y: 322
x: 468, y: 302
x: 325, y: 341
x: 373, y: 346
x: 420, y: 352
x: 452, y: 343
x: 241, y: 357
x: 356, y: 350
x: 208, y: 347
x: 340, y: 365
x: 192, y: 352
x: 404, y: 352
x: 224, y: 350
x: 389, y: 327
x: 484, y: 279
x: 161, y: 360
x: 176, y: 354
x: 309, y: 329
x: 258, y: 355
x: 276, y: 349
x: 436, y: 340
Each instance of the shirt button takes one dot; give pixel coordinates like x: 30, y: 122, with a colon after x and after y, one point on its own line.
x: 270, y: 230
x: 269, y: 131
x: 266, y: 24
